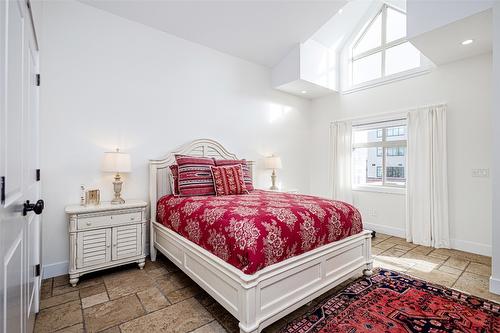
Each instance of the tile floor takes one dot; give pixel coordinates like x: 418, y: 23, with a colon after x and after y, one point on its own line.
x: 161, y: 298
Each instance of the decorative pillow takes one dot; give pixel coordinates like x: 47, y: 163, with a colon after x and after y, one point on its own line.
x: 229, y: 180
x: 195, y: 176
x: 247, y: 176
x: 174, y: 176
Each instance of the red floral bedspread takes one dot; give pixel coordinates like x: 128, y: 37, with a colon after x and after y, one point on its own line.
x: 255, y: 230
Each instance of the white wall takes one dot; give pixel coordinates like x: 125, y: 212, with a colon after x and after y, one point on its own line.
x: 466, y: 87
x: 108, y: 82
x: 288, y: 69
x: 315, y: 66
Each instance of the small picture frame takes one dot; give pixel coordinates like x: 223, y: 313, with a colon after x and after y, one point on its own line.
x: 93, y: 197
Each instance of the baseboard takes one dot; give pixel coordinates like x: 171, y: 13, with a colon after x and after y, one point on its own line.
x: 495, y: 285
x: 383, y: 229
x: 472, y: 247
x: 55, y: 269
x: 458, y: 244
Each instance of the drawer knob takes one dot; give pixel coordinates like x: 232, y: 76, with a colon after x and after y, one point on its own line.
x: 107, y: 245
x: 89, y: 223
x: 132, y: 218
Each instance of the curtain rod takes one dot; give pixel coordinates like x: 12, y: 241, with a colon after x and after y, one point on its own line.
x: 389, y: 113
x: 378, y: 122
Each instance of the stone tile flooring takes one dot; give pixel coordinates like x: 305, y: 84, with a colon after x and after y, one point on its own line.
x: 161, y: 298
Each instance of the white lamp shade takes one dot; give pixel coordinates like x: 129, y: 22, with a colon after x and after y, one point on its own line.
x: 116, y: 162
x: 272, y: 162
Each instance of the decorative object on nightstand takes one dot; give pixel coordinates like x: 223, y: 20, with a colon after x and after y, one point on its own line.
x: 116, y: 162
x: 273, y: 163
x: 105, y: 235
x: 92, y: 197
x: 82, y: 195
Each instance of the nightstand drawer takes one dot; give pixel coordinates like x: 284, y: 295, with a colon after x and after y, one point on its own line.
x: 108, y: 220
x: 126, y: 218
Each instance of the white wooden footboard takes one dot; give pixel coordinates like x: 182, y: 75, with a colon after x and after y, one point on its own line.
x: 262, y: 298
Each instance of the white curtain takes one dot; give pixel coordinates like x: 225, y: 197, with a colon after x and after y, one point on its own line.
x: 341, y: 143
x: 427, y: 184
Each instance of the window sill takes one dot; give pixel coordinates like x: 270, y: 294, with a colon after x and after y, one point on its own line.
x: 380, y: 189
x: 389, y: 79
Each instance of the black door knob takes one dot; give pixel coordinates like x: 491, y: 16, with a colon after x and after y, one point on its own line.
x: 37, y: 207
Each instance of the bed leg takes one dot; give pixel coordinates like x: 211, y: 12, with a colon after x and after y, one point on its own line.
x: 152, y: 253
x: 368, y: 271
x: 249, y: 329
x: 255, y: 331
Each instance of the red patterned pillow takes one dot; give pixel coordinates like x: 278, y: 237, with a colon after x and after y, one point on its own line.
x: 174, y: 171
x: 229, y: 180
x: 195, y: 176
x: 247, y: 176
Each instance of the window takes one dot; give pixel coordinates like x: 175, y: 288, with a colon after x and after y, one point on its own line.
x: 379, y: 154
x: 382, y: 49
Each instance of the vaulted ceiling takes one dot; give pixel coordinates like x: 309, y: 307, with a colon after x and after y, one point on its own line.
x: 259, y: 31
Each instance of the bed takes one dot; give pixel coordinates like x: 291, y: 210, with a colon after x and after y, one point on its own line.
x: 282, y: 264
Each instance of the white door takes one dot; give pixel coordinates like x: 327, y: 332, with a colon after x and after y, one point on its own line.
x: 19, y: 229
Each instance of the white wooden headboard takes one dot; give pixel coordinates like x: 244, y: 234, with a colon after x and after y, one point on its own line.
x: 159, y: 184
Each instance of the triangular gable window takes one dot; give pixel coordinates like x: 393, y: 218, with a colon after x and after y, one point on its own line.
x: 382, y: 50
x: 371, y: 38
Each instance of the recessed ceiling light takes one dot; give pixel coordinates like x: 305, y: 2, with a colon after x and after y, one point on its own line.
x: 340, y: 10
x: 467, y: 41
x: 304, y: 92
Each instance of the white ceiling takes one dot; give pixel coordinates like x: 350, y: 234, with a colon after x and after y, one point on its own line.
x: 336, y: 30
x: 444, y: 45
x: 259, y: 31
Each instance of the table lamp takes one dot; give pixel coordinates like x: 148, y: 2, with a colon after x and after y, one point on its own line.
x: 273, y: 162
x: 116, y: 161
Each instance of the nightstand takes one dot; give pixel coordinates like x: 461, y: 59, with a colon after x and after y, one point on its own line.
x: 104, y: 236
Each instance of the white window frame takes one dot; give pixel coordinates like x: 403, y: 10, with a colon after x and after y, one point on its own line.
x: 348, y: 85
x: 386, y: 187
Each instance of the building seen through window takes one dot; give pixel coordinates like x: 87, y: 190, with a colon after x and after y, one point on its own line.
x: 379, y: 154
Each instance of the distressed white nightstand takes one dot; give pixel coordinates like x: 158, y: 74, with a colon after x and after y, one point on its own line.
x: 105, y: 236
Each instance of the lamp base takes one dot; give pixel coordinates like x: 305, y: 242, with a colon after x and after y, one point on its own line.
x: 273, y: 181
x: 117, y: 187
x: 117, y: 201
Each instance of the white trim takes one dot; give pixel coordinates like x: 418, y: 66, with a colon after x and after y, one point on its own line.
x: 472, y: 247
x: 55, y: 269
x: 495, y: 285
x: 384, y: 229
x: 457, y: 244
x: 422, y: 70
x: 398, y: 190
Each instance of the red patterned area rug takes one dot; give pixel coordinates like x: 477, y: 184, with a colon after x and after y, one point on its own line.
x: 392, y: 302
